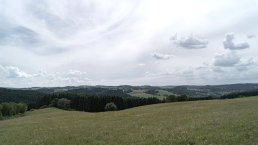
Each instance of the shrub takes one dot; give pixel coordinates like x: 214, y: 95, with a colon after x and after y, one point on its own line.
x: 54, y: 102
x: 8, y: 109
x: 110, y: 107
x: 63, y: 103
x: 22, y: 107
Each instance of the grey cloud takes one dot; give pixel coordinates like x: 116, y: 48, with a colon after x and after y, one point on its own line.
x: 66, y: 20
x: 162, y: 56
x: 174, y: 37
x: 61, y: 26
x: 18, y: 36
x: 26, y: 38
x: 250, y: 36
x: 217, y: 69
x: 229, y: 44
x: 226, y: 60
x: 191, y: 42
x: 245, y: 64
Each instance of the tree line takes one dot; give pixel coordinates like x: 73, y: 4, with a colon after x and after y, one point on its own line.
x: 182, y: 98
x: 93, y: 103
x: 240, y: 94
x: 11, y: 109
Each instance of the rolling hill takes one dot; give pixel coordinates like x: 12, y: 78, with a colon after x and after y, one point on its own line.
x: 224, y: 122
x: 30, y: 95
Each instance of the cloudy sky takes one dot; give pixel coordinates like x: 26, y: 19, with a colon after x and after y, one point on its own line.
x: 128, y: 42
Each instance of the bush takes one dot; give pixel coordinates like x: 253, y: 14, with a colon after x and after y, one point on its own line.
x: 110, y: 107
x: 10, y: 109
x: 63, y: 103
x: 22, y: 107
x: 53, y: 103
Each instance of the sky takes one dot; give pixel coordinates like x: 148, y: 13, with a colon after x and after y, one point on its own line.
x: 48, y: 43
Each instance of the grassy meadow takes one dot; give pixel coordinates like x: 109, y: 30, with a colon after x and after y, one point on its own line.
x: 213, y: 122
x: 141, y: 93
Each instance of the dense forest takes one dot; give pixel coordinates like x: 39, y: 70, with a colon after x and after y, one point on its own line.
x: 29, y: 97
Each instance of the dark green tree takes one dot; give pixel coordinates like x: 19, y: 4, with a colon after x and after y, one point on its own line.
x: 171, y: 98
x: 63, y: 103
x: 53, y: 103
x: 182, y: 98
x: 22, y: 107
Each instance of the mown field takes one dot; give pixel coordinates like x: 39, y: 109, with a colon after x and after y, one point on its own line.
x: 141, y: 93
x: 214, y: 122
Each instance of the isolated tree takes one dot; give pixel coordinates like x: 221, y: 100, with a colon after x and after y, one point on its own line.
x: 182, y: 98
x: 171, y: 98
x: 63, y: 103
x: 8, y: 109
x: 110, y: 107
x: 53, y: 103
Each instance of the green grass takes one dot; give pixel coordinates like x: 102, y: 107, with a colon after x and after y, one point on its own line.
x: 214, y: 122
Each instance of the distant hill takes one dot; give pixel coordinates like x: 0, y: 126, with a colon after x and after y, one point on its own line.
x: 30, y: 95
x: 20, y: 95
x: 212, y: 90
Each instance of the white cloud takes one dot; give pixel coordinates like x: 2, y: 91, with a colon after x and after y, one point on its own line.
x: 141, y: 64
x: 229, y: 44
x: 76, y: 72
x: 13, y: 72
x: 226, y: 60
x: 42, y: 78
x: 161, y: 56
x: 191, y: 42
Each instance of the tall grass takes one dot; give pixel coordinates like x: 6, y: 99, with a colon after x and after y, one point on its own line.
x: 216, y: 122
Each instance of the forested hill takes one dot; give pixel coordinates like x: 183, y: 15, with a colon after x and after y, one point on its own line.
x: 19, y: 95
x: 214, y: 91
x: 31, y: 95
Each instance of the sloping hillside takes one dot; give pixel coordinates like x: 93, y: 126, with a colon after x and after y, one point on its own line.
x: 224, y: 122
